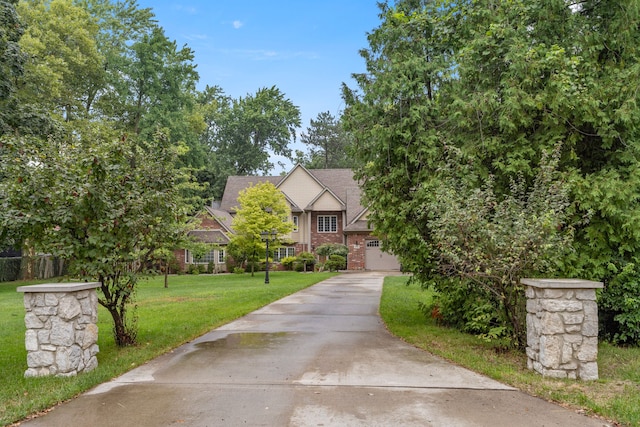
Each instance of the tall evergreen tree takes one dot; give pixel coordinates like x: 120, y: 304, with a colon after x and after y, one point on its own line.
x: 504, y: 82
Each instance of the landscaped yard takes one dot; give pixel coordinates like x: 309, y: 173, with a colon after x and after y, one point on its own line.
x: 616, y: 395
x: 189, y: 307
x: 193, y: 305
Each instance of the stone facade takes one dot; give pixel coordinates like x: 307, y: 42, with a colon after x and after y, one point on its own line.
x: 562, y: 327
x: 61, y: 337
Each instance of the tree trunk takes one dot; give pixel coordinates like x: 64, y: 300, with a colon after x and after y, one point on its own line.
x: 166, y: 276
x: 116, y: 303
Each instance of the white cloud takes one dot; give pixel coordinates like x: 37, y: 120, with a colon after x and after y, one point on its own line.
x: 188, y: 9
x: 237, y: 24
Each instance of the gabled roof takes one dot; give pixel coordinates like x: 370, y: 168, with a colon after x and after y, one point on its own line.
x: 223, y: 217
x: 237, y: 183
x: 210, y: 236
x: 338, y: 182
x: 322, y: 193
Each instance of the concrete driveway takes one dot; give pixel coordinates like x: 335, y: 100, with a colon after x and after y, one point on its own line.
x: 320, y: 357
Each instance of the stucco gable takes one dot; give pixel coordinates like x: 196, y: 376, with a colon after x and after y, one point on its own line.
x: 300, y: 186
x: 326, y: 201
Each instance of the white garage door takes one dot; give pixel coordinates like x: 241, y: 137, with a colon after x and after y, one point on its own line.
x: 375, y: 259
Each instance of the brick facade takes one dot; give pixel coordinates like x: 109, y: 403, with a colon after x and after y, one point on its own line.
x: 317, y: 238
x: 356, y: 245
x: 310, y: 193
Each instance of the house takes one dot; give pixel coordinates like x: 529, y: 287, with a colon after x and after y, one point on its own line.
x: 325, y: 208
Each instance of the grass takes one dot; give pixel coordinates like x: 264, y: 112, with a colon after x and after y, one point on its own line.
x: 615, y: 396
x: 189, y: 307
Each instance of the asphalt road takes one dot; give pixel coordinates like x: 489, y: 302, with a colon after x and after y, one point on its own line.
x: 320, y: 357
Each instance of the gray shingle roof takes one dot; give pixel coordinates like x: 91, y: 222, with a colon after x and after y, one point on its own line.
x: 223, y: 217
x: 237, y: 183
x: 210, y: 236
x: 339, y: 181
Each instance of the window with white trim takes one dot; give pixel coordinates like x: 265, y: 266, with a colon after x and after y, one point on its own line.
x: 211, y: 256
x: 279, y: 253
x: 295, y: 220
x: 205, y: 259
x: 327, y: 224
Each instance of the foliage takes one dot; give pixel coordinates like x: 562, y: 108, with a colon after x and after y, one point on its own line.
x: 328, y: 249
x: 306, y: 259
x: 466, y: 307
x: 619, y: 307
x: 9, y: 269
x: 238, y: 270
x: 492, y: 242
x: 262, y: 208
x: 288, y: 262
x: 11, y: 61
x: 103, y: 205
x: 335, y: 263
x: 614, y: 396
x: 241, y: 133
x: 327, y: 143
x: 503, y: 82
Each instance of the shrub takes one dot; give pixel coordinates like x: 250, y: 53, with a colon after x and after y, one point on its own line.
x: 465, y: 307
x: 193, y: 269
x: 329, y: 249
x: 238, y: 270
x: 288, y: 262
x: 9, y: 269
x: 619, y: 307
x: 493, y: 240
x: 336, y: 262
x: 307, y: 259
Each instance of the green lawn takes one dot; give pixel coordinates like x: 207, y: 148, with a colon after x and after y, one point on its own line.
x: 189, y: 307
x: 193, y: 305
x: 615, y: 396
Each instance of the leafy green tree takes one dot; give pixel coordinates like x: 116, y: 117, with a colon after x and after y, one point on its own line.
x: 120, y: 25
x: 60, y: 41
x: 504, y: 82
x: 262, y: 208
x: 242, y: 133
x: 104, y: 204
x: 327, y: 143
x: 11, y: 61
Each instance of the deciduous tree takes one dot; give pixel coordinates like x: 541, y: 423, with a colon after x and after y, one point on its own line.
x: 262, y: 208
x: 243, y: 133
x: 104, y: 205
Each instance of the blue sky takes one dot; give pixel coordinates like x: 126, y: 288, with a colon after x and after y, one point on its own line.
x: 306, y: 48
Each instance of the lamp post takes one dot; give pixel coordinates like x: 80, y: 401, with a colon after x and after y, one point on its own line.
x: 267, y: 236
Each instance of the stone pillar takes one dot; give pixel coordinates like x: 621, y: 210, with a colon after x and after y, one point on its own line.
x: 62, y: 334
x: 562, y: 327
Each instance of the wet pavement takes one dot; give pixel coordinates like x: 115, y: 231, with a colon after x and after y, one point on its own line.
x: 320, y: 357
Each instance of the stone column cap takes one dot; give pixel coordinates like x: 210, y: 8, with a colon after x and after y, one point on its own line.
x: 562, y: 283
x: 59, y: 287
